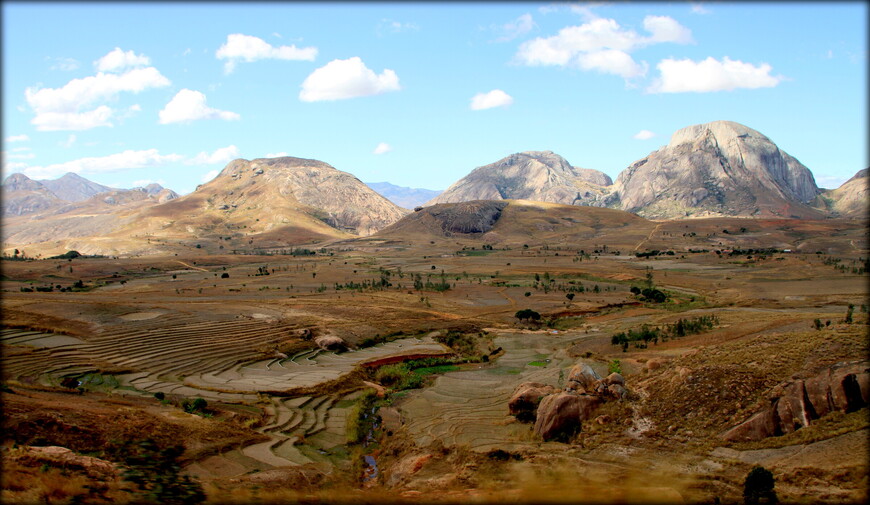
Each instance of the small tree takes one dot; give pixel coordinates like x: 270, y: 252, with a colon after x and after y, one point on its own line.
x: 527, y: 315
x: 759, y: 485
x: 849, y: 314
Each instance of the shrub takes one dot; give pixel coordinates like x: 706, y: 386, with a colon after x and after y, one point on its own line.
x: 225, y: 275
x: 527, y: 315
x: 156, y: 474
x: 759, y: 485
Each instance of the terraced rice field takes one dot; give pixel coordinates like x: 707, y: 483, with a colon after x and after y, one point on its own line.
x: 469, y: 407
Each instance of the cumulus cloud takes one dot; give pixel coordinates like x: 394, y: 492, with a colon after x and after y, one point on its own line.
x: 55, y: 121
x: 17, y: 138
x: 342, y: 79
x: 112, y: 163
x: 644, y: 135
x: 382, y: 148
x: 188, y: 105
x: 684, y: 76
x: 518, y: 27
x: 602, y: 44
x: 118, y: 59
x: 612, y: 61
x: 222, y: 155
x: 240, y: 47
x: 66, y: 108
x: 494, y: 98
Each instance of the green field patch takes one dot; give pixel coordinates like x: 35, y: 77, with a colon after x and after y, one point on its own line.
x: 537, y: 363
x: 505, y: 371
x: 435, y: 369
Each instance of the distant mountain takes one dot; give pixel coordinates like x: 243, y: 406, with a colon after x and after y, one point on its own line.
x: 74, y: 188
x: 532, y: 175
x: 852, y: 198
x: 407, y: 198
x: 719, y: 168
x: 22, y: 195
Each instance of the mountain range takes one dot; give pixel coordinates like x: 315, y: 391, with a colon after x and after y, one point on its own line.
x: 708, y: 170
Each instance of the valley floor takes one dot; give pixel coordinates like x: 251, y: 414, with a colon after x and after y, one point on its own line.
x: 382, y: 372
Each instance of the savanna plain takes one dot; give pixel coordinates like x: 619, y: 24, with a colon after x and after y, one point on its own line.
x: 428, y: 366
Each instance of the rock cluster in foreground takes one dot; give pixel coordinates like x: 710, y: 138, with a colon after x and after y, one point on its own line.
x: 560, y: 414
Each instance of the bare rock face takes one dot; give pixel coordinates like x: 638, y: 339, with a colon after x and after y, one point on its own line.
x: 561, y: 415
x: 844, y: 387
x: 22, y: 195
x: 330, y: 195
x: 527, y: 396
x: 852, y: 199
x: 534, y: 175
x: 582, y: 379
x: 718, y: 168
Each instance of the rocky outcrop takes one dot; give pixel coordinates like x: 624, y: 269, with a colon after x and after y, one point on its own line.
x: 269, y: 184
x: 331, y: 343
x: 852, y: 199
x: 527, y: 396
x: 844, y: 387
x: 718, y: 168
x: 533, y: 175
x: 22, y: 195
x: 561, y: 415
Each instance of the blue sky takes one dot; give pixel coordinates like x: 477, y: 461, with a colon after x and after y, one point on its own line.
x: 419, y: 94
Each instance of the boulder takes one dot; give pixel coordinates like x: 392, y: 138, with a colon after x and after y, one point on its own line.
x: 582, y: 378
x: 617, y: 391
x: 761, y: 425
x: 615, y: 378
x: 524, y: 402
x: 560, y: 416
x: 331, y: 343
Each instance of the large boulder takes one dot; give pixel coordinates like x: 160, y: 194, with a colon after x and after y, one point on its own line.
x: 582, y: 379
x: 561, y: 415
x: 331, y: 343
x: 761, y: 425
x: 526, y: 398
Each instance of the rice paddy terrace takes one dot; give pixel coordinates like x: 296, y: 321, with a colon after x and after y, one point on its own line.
x: 246, y: 342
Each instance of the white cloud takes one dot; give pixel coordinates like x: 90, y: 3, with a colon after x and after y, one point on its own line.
x: 350, y: 78
x: 68, y: 142
x: 602, y: 45
x: 643, y: 135
x: 382, y: 148
x: 666, y: 29
x: 65, y: 64
x: 683, y: 76
x: 54, y: 121
x: 211, y: 174
x: 276, y: 155
x: 188, y: 105
x: 612, y: 61
x: 494, y: 98
x: 520, y: 26
x: 118, y: 59
x: 112, y: 163
x: 65, y: 108
x: 240, y: 47
x: 17, y: 138
x: 19, y: 153
x: 222, y: 155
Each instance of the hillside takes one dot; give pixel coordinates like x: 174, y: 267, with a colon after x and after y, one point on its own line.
x: 533, y: 175
x: 852, y: 198
x: 719, y: 168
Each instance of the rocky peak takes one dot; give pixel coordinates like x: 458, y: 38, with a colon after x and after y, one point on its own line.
x: 20, y: 182
x: 530, y: 175
x: 718, y: 168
